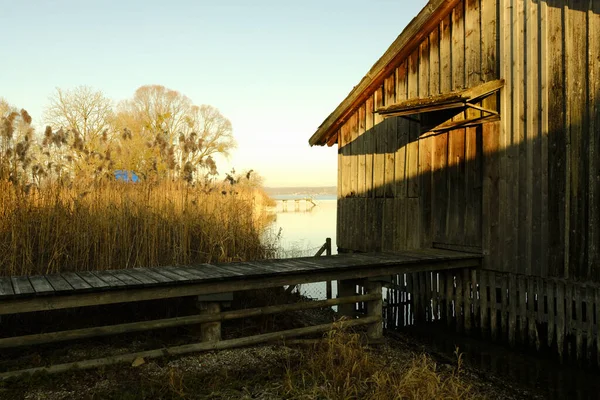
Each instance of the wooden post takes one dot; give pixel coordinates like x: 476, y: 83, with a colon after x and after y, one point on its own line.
x: 375, y: 309
x: 346, y: 288
x: 210, y: 331
x: 329, y: 289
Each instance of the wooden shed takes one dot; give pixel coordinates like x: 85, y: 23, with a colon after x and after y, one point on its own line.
x: 479, y: 130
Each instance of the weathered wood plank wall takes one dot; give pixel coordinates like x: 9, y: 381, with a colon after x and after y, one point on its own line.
x: 393, y: 180
x: 524, y: 190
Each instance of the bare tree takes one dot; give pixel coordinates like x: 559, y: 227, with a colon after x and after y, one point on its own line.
x: 82, y: 109
x: 187, y: 136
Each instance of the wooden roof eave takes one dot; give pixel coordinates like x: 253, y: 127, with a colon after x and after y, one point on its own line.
x: 415, y: 32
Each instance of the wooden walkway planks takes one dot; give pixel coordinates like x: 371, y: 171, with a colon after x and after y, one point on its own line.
x: 140, y: 278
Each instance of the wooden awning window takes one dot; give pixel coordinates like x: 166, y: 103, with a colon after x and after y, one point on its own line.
x: 461, y: 99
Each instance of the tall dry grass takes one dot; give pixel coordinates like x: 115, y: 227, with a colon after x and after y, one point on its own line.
x: 110, y: 225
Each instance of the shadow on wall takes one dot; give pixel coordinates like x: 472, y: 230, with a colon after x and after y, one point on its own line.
x: 530, y: 201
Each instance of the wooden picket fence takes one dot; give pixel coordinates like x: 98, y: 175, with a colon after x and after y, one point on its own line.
x: 543, y: 313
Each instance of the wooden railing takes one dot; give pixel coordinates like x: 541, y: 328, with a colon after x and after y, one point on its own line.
x: 326, y: 248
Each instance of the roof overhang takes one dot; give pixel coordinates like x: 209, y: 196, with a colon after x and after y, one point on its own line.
x: 415, y: 32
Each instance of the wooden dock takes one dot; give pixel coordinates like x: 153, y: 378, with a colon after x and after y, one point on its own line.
x: 211, y: 285
x: 79, y: 289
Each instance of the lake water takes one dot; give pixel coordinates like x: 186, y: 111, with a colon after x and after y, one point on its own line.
x: 303, y: 228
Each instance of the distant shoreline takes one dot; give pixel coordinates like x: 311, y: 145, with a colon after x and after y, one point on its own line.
x: 306, y: 191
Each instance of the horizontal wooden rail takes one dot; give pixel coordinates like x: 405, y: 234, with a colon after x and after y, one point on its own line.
x: 62, y: 336
x: 191, y: 348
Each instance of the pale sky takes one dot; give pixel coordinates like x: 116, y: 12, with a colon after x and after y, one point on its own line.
x: 276, y: 69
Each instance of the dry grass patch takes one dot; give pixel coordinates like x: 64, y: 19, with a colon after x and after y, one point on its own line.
x: 341, y: 367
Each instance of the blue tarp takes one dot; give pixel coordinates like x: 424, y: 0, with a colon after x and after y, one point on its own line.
x: 126, y: 176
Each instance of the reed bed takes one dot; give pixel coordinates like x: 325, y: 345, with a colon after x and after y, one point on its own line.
x: 111, y: 225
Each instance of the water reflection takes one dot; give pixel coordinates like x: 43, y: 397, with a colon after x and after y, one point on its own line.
x: 304, y: 226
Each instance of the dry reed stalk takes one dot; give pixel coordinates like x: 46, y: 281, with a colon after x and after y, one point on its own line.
x: 111, y: 225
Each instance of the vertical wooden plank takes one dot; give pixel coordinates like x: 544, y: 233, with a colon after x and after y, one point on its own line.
x: 561, y: 307
x: 434, y: 62
x: 361, y: 217
x: 375, y: 210
x: 412, y: 147
x: 521, y: 47
x: 466, y: 282
x: 577, y: 121
x: 353, y: 128
x: 423, y: 69
x: 391, y: 138
x: 400, y: 237
x: 425, y: 149
x: 543, y: 135
x: 473, y: 36
x: 410, y: 299
x: 493, y: 307
x: 489, y: 37
x: 402, y: 130
x: 426, y: 182
x: 505, y: 185
x: 589, y: 301
x: 456, y: 187
x: 413, y: 223
x: 593, y: 249
x: 389, y: 87
x: 402, y: 300
x: 476, y: 297
x: 428, y: 309
x: 389, y: 224
x: 578, y: 321
x: 380, y: 136
x: 484, y: 310
x: 369, y: 145
x: 556, y: 141
x: 417, y: 299
x: 551, y: 300
x: 442, y: 296
x: 534, y: 135
x: 449, y: 299
x: 391, y: 126
x: 532, y: 292
x: 347, y: 160
x: 522, y: 308
x: 338, y: 229
x: 570, y: 302
x: 361, y: 189
x: 505, y: 305
x: 491, y: 196
x: 458, y: 46
x: 459, y: 303
x: 473, y: 187
x: 446, y: 55
x: 440, y: 187
x: 597, y: 301
x: 425, y: 305
x: 436, y: 296
x: 512, y: 316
